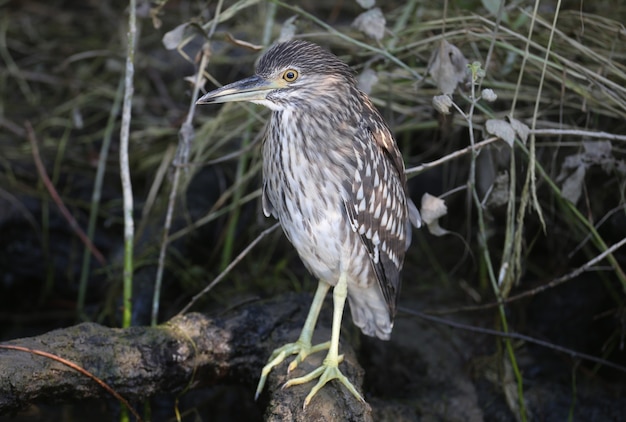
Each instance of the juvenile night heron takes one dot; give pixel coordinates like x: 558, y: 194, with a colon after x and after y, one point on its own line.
x: 334, y: 178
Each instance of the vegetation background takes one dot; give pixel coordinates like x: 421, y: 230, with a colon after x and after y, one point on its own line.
x: 530, y: 239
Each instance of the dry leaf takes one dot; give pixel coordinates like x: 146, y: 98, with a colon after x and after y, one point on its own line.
x: 598, y: 151
x: 432, y: 210
x: 366, y: 4
x: 367, y: 79
x: 574, y: 167
x: 448, y: 67
x: 442, y: 103
x: 288, y: 29
x: 371, y: 23
x: 173, y: 38
x: 573, y: 185
x: 499, y: 194
x: 520, y: 128
x: 501, y: 129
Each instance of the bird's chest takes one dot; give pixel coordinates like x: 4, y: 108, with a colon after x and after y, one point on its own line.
x: 307, y: 171
x: 305, y: 195
x: 306, y: 184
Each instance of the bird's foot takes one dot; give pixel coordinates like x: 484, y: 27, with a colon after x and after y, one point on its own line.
x: 329, y: 370
x: 300, y: 348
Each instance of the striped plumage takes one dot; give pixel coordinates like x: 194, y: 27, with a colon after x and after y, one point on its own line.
x: 337, y: 183
x: 334, y: 178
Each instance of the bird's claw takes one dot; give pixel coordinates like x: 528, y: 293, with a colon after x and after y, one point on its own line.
x: 299, y: 348
x: 328, y: 371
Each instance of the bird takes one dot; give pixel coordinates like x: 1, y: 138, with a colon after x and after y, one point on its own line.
x: 334, y: 178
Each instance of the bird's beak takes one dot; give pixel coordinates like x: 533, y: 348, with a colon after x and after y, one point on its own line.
x: 254, y: 88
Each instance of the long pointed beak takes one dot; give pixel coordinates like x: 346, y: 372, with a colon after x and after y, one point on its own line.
x: 254, y: 88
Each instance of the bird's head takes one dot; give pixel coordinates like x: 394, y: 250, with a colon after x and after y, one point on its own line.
x: 290, y: 74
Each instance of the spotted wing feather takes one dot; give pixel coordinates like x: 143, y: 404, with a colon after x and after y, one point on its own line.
x: 378, y: 208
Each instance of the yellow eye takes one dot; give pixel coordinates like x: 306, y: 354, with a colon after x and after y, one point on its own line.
x: 290, y: 75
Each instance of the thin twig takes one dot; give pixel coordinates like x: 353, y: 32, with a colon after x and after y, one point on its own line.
x: 41, y: 169
x: 236, y: 154
x: 127, y: 187
x: 351, y: 40
x: 597, y: 226
x: 96, y: 194
x: 186, y: 136
x: 513, y: 335
x: 581, y: 133
x: 229, y: 267
x: 533, y: 125
x: 556, y: 282
x: 79, y: 369
x: 456, y: 154
x: 171, y: 204
x: 486, y: 254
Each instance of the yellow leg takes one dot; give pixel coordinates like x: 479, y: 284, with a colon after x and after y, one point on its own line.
x: 302, y: 347
x: 330, y: 367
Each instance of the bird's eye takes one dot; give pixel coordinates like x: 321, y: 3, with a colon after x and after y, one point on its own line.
x: 290, y: 75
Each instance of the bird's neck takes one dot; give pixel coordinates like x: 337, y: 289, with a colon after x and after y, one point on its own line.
x: 314, y: 129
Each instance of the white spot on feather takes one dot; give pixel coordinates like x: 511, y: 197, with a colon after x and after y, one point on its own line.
x: 383, y: 221
x: 377, y: 211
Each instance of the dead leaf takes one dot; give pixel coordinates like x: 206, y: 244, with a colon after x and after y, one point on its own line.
x: 288, y: 30
x: 432, y: 210
x: 574, y: 167
x: 520, y: 128
x: 501, y: 129
x: 366, y: 4
x: 442, y: 103
x: 598, y: 150
x: 448, y: 67
x: 499, y: 194
x: 371, y: 23
x: 174, y: 37
x: 573, y: 185
x: 367, y: 79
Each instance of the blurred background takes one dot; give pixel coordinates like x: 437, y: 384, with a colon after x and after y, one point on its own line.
x: 526, y: 217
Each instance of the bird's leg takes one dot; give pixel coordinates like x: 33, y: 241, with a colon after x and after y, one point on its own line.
x: 329, y: 369
x: 302, y: 347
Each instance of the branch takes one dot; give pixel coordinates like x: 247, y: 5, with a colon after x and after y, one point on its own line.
x: 139, y: 362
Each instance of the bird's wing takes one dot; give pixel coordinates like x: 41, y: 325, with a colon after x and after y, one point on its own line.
x: 383, y: 138
x: 378, y: 209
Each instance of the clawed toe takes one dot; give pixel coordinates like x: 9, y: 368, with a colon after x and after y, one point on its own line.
x: 299, y: 348
x: 326, y: 372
